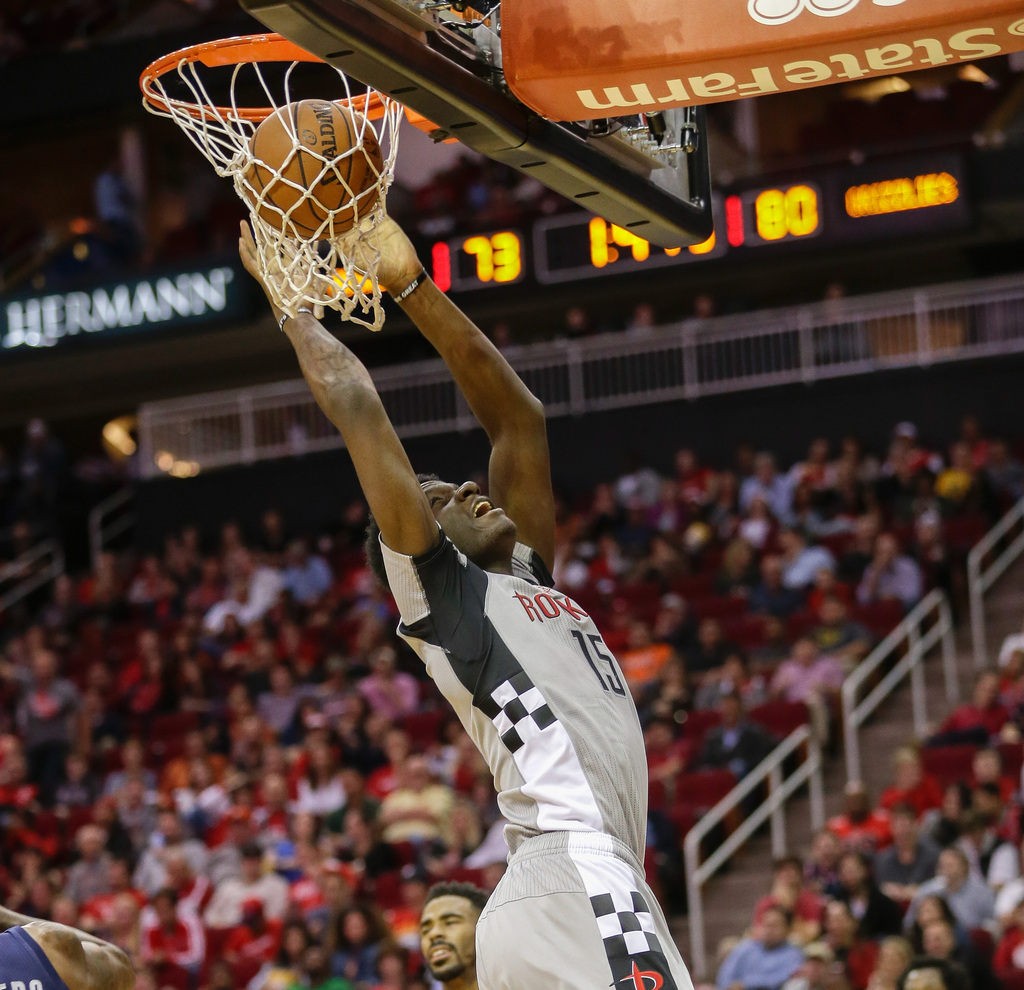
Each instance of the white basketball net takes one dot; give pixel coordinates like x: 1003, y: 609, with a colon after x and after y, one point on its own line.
x: 328, y: 269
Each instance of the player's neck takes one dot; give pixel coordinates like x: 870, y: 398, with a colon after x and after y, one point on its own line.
x: 467, y: 981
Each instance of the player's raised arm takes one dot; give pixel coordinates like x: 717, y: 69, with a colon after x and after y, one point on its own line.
x: 512, y: 417
x: 345, y: 392
x: 82, y: 961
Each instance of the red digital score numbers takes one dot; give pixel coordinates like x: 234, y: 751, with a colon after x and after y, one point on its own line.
x: 767, y: 216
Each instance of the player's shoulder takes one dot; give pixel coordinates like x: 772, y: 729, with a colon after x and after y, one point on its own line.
x: 64, y: 950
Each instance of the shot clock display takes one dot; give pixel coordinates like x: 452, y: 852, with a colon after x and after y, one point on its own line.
x: 881, y: 199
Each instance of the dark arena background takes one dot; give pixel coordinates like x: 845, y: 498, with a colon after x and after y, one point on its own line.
x: 789, y: 466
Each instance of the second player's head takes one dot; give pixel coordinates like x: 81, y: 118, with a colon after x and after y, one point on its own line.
x: 478, y: 528
x: 448, y: 931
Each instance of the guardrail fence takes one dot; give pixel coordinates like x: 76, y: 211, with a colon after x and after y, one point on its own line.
x: 34, y: 569
x: 780, y: 791
x: 681, y: 361
x: 928, y: 625
x: 109, y: 519
x: 983, y: 571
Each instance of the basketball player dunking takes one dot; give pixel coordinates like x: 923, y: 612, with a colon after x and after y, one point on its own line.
x: 42, y: 955
x: 523, y: 665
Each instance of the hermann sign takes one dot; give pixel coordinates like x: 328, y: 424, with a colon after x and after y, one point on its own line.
x: 137, y: 305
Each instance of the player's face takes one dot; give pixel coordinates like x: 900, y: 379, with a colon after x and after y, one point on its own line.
x: 448, y: 936
x: 478, y: 528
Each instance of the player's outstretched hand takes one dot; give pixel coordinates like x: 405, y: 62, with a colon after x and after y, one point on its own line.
x: 251, y: 263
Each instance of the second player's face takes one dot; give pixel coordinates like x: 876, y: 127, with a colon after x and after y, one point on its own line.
x: 477, y: 527
x: 448, y: 936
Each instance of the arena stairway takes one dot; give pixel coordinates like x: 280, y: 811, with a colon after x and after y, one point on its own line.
x: 730, y: 896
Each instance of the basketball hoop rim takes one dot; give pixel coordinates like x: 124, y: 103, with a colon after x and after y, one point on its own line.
x: 238, y: 50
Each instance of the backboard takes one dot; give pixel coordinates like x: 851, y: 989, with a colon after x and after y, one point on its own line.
x: 649, y: 175
x: 596, y: 58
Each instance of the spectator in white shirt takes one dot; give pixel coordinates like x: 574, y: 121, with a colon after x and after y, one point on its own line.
x: 1014, y: 643
x: 774, y: 488
x: 255, y: 590
x: 225, y: 908
x: 890, y: 575
x: 801, y: 563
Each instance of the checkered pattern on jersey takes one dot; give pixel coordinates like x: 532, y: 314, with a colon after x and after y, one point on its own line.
x: 518, y: 711
x: 626, y: 929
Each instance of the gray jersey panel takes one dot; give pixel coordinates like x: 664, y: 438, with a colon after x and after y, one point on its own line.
x: 536, y: 688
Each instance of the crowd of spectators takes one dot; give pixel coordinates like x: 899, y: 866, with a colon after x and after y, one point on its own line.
x: 932, y: 868
x: 220, y: 756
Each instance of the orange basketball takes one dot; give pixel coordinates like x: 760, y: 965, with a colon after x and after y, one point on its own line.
x: 314, y: 145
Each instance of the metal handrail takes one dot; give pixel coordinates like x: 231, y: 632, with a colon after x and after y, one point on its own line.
x: 14, y: 569
x: 980, y: 578
x: 781, y: 790
x: 102, y: 531
x: 685, y: 360
x: 920, y: 643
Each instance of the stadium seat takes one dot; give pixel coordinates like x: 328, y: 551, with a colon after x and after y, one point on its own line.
x: 747, y: 631
x: 703, y: 789
x: 423, y: 727
x: 699, y: 723
x: 717, y: 607
x: 244, y: 970
x: 948, y: 764
x: 780, y: 718
x: 982, y: 943
x: 880, y: 617
x: 1013, y: 758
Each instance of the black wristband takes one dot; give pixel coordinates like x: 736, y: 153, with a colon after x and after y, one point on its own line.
x: 412, y: 286
x: 286, y: 316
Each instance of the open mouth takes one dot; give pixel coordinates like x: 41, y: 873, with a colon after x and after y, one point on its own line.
x: 439, y: 953
x: 481, y: 508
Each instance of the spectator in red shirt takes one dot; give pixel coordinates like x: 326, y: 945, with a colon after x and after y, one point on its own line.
x: 978, y: 721
x: 910, y: 784
x: 987, y: 768
x: 255, y: 938
x: 1009, y: 955
x: 170, y: 937
x: 861, y: 827
x: 854, y: 953
x: 790, y: 893
x: 666, y: 756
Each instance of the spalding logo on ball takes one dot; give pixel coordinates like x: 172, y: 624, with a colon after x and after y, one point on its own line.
x: 296, y: 189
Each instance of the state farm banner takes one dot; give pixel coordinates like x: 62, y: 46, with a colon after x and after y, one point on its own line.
x: 586, y: 59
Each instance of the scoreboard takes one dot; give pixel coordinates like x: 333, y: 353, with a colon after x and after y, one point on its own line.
x: 881, y: 200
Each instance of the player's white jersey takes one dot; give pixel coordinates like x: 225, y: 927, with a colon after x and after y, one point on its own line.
x: 531, y: 679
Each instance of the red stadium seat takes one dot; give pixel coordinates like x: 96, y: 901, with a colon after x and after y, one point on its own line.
x: 699, y: 723
x: 717, y: 607
x: 705, y: 788
x: 949, y: 764
x: 175, y: 977
x: 423, y: 728
x: 799, y: 624
x: 1013, y: 759
x: 880, y: 617
x: 657, y: 795
x: 982, y: 943
x: 1010, y: 979
x: 694, y: 586
x: 747, y: 631
x: 780, y: 718
x: 244, y: 970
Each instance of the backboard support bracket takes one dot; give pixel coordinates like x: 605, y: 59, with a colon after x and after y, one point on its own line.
x: 386, y: 52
